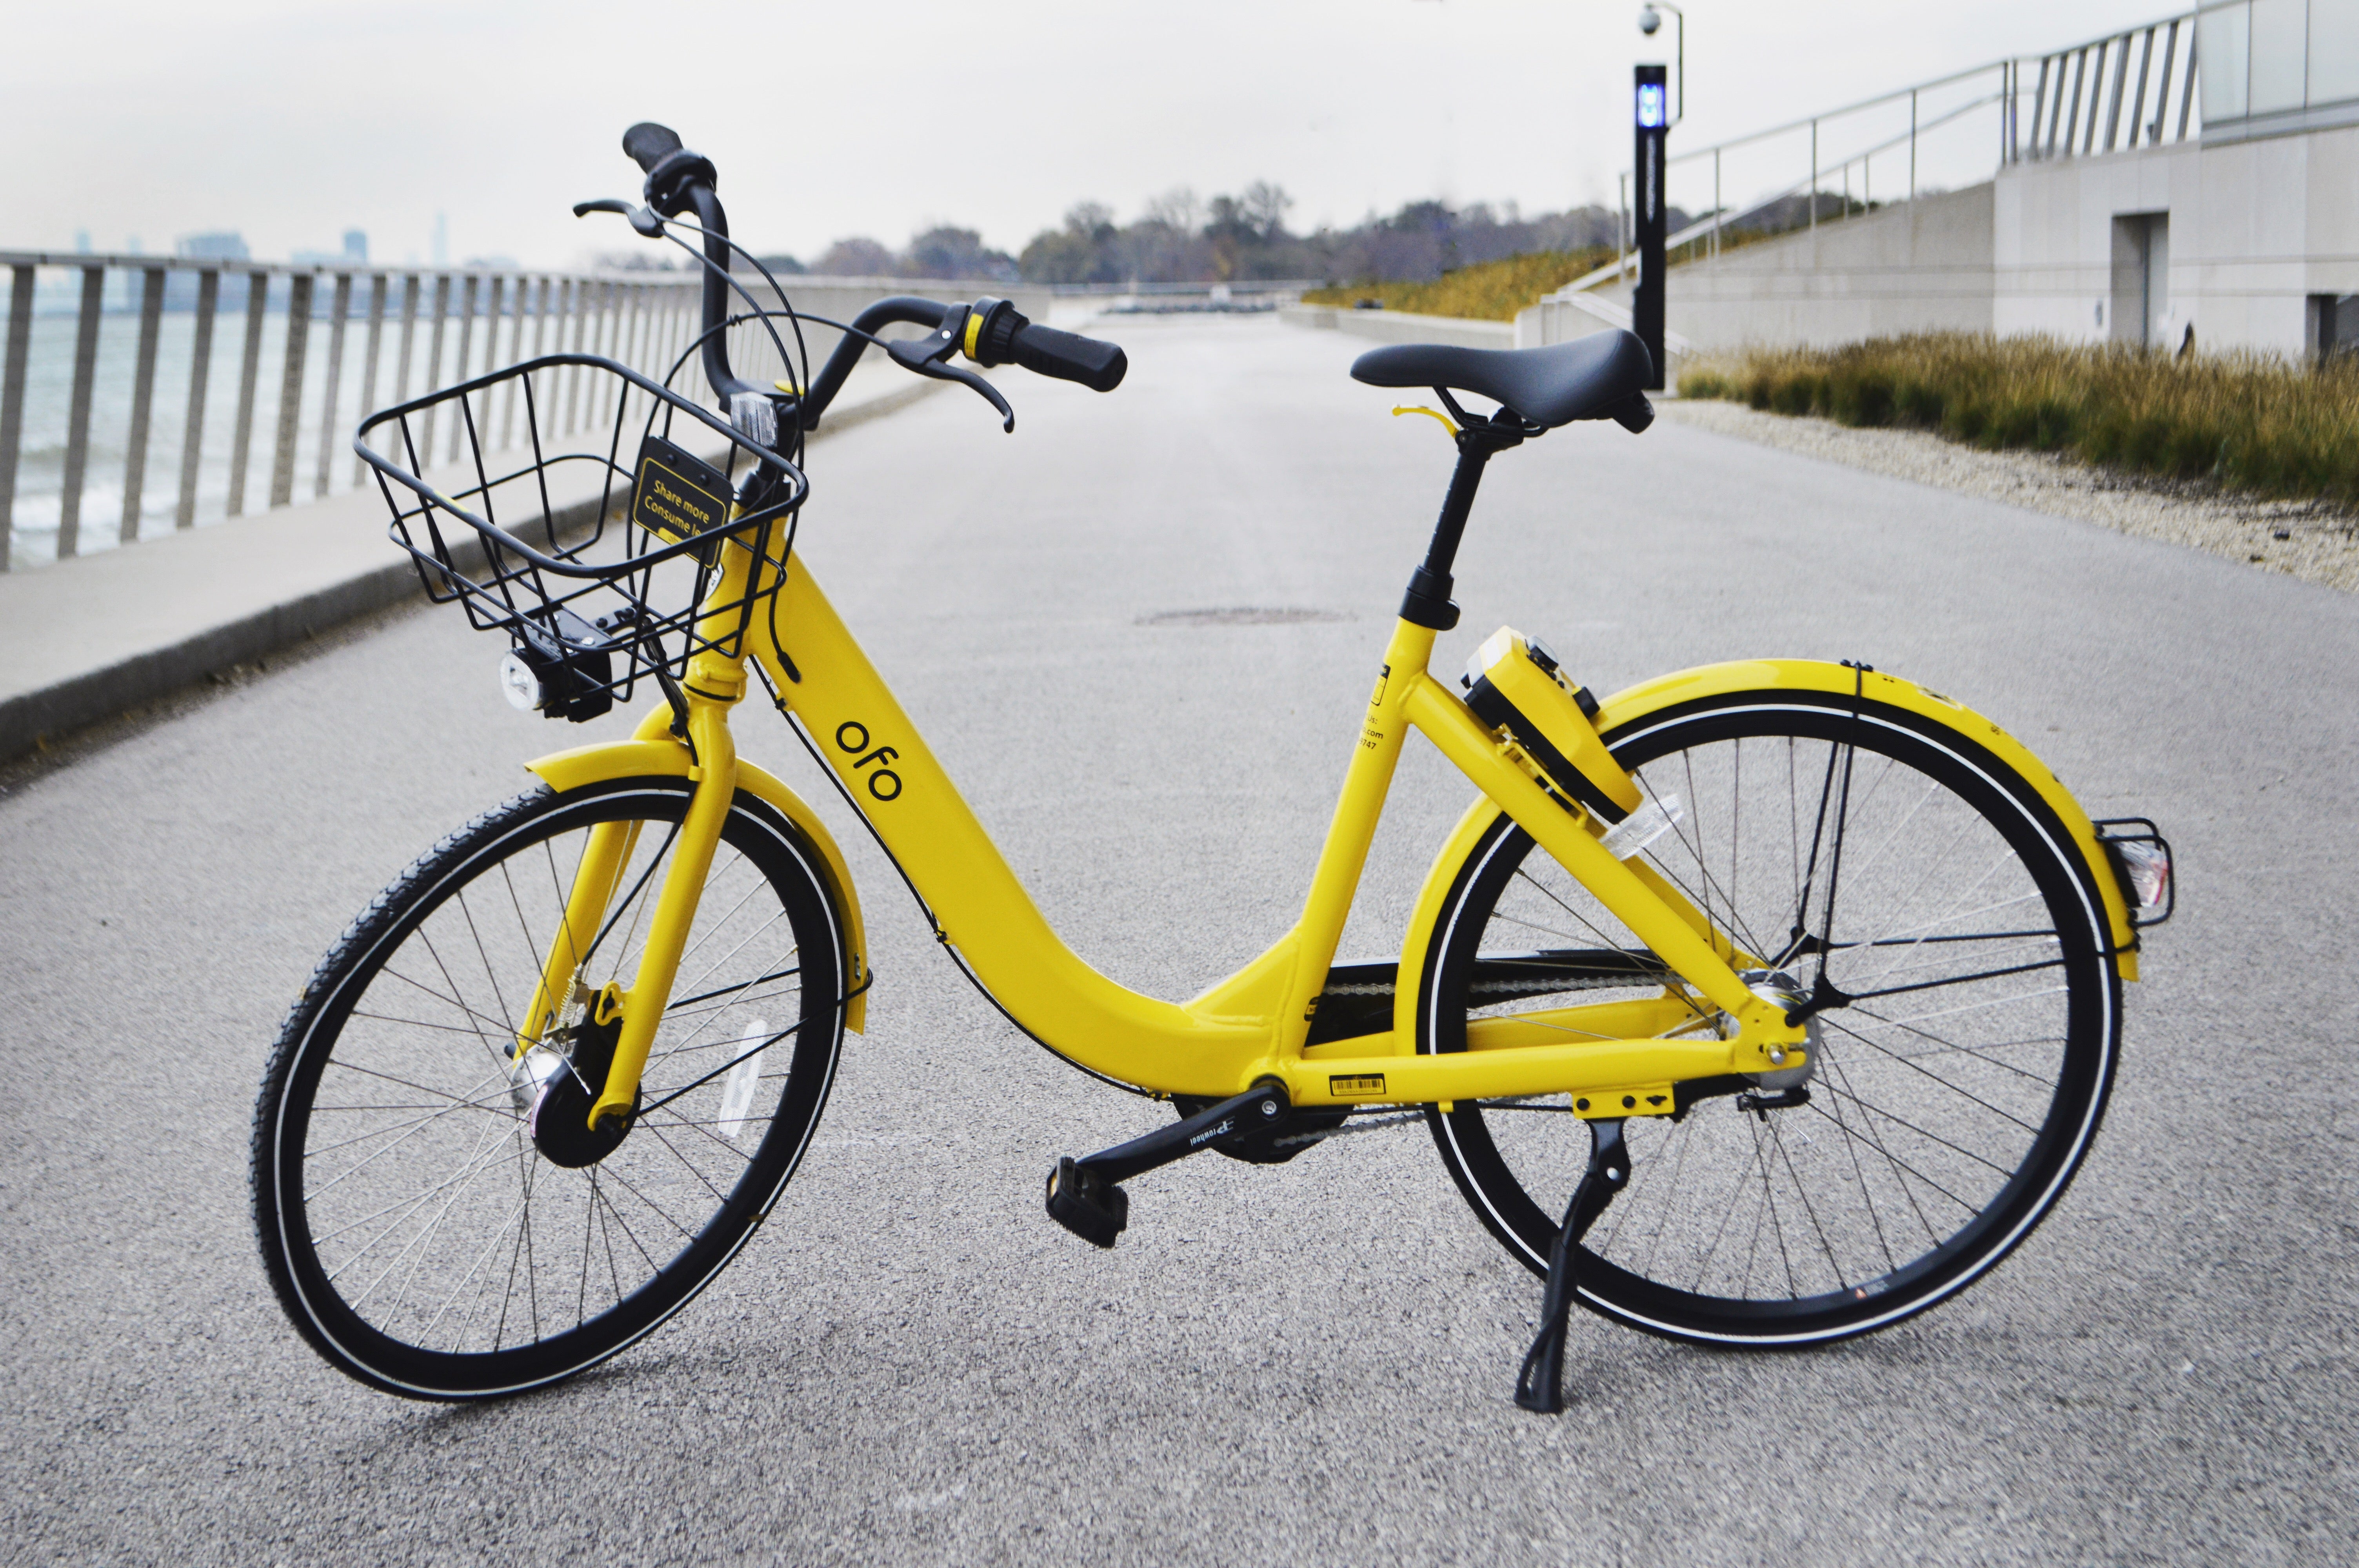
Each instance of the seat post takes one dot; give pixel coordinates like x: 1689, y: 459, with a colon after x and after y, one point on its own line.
x: 1427, y: 603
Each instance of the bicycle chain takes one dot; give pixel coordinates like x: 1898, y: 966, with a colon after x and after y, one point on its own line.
x: 1345, y: 1129
x: 1377, y: 1124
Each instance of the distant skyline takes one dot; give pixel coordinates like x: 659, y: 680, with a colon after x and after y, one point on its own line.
x: 466, y: 129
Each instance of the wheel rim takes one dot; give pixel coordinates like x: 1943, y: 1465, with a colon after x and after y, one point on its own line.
x: 1943, y: 1121
x: 428, y: 1240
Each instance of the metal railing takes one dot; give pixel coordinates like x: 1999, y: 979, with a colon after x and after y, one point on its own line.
x: 93, y: 387
x: 2026, y: 109
x: 2149, y: 114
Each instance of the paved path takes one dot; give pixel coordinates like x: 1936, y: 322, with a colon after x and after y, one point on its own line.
x: 1309, y: 1364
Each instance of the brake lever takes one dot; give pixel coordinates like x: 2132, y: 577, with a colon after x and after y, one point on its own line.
x: 642, y: 219
x: 926, y: 355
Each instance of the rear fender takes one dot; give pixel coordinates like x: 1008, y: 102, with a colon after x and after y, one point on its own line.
x: 1648, y: 698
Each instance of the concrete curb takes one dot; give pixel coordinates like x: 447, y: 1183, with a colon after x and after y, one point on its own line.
x: 1402, y: 326
x: 91, y: 639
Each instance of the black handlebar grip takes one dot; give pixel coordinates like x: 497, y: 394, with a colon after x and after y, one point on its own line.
x: 1068, y: 356
x: 648, y: 144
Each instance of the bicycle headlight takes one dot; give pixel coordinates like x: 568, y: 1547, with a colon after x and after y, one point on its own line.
x: 561, y: 666
x: 520, y: 684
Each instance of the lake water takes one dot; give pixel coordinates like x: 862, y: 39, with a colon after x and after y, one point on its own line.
x: 48, y: 390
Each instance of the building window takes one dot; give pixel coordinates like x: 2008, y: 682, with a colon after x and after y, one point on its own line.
x: 2334, y: 50
x: 2223, y: 41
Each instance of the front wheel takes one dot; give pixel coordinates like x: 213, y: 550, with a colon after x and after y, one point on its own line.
x: 1945, y: 1107
x: 417, y: 1232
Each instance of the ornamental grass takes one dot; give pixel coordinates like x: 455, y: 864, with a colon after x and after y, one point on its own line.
x: 1486, y: 291
x: 2248, y: 421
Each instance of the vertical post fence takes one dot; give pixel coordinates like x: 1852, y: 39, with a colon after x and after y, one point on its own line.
x: 434, y: 368
x: 459, y: 371
x: 89, y: 353
x: 12, y: 400
x: 258, y: 297
x: 338, y: 308
x: 142, y: 402
x: 85, y: 373
x: 368, y: 404
x: 290, y: 388
x: 192, y: 436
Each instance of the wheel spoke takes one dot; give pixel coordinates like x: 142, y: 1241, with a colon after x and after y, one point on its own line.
x: 1831, y: 832
x: 428, y: 1211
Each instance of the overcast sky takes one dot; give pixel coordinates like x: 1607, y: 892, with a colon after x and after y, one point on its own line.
x: 292, y: 120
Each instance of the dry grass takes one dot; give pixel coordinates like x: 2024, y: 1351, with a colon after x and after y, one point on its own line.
x: 1487, y: 291
x: 2251, y: 422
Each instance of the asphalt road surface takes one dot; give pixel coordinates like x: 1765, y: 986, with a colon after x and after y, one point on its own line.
x: 1309, y: 1364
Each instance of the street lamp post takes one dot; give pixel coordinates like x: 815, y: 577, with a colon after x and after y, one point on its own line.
x: 1657, y: 112
x: 1652, y: 221
x: 1649, y: 19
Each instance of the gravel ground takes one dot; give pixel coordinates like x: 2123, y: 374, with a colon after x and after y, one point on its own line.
x: 2305, y: 539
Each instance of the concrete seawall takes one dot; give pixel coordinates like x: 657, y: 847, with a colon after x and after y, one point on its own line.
x: 1402, y: 326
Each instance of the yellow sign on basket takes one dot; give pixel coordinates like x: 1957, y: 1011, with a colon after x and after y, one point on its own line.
x: 677, y: 494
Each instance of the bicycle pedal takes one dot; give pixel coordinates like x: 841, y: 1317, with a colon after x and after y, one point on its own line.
x: 1086, y: 1204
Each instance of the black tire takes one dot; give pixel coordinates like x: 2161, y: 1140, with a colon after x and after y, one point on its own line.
x: 1944, y: 1122
x: 414, y: 1232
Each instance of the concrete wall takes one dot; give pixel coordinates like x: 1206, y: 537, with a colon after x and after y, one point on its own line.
x: 1925, y: 265
x: 2254, y: 228
x: 1561, y: 317
x: 2241, y: 235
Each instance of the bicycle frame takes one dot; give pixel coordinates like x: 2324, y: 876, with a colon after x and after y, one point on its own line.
x: 1248, y: 1027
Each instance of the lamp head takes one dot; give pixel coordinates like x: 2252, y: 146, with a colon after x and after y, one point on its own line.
x: 1649, y: 19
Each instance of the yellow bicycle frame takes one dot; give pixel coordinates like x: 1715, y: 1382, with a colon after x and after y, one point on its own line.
x: 1252, y: 1025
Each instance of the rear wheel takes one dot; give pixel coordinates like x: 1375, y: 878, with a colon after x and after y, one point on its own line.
x: 419, y: 1234
x: 1946, y: 1106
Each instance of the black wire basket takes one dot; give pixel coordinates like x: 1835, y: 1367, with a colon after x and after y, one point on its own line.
x: 581, y: 508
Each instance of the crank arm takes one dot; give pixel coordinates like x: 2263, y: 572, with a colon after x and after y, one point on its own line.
x: 1263, y: 1105
x: 1086, y: 1195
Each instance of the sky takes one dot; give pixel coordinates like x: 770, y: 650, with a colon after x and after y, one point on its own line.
x: 291, y: 120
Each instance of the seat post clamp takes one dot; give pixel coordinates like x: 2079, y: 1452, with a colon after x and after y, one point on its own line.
x: 1427, y: 602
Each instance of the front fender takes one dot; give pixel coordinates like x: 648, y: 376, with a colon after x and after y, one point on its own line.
x: 667, y: 758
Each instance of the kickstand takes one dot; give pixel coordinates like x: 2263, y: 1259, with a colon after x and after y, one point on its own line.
x: 1540, y: 1385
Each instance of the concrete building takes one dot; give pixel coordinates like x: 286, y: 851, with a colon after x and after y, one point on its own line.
x: 2195, y: 178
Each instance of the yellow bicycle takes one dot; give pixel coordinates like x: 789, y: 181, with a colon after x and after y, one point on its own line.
x: 1762, y: 1004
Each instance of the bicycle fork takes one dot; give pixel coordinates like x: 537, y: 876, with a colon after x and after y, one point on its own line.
x: 716, y: 682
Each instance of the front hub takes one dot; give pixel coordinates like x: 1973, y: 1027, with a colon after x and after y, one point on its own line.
x: 561, y: 1111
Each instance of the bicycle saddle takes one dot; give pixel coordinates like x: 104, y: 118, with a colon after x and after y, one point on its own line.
x: 1602, y: 376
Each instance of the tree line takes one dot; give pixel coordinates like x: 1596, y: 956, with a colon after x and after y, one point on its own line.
x: 1178, y: 237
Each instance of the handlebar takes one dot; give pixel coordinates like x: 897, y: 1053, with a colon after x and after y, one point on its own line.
x: 1045, y: 351
x: 647, y: 144
x: 989, y: 332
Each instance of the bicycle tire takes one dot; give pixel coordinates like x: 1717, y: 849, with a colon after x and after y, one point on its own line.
x: 1905, y: 1177
x: 411, y: 1228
